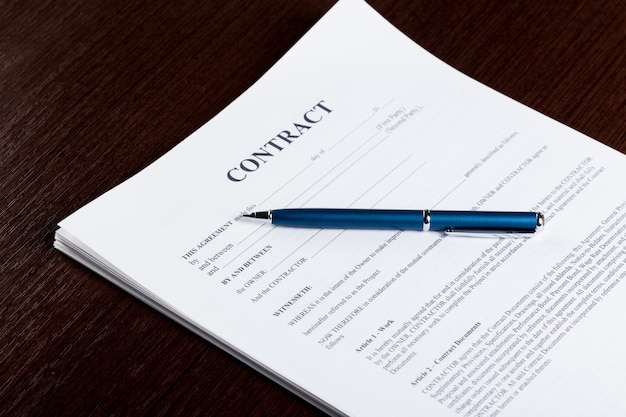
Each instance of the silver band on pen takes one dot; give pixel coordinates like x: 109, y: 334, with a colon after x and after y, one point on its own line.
x: 426, y: 220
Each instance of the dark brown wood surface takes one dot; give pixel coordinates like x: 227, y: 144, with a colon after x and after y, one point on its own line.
x: 91, y: 91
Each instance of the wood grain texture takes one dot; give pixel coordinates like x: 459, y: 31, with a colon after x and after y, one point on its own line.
x: 93, y: 91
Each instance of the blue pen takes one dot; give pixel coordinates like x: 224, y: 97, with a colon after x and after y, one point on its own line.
x: 423, y: 220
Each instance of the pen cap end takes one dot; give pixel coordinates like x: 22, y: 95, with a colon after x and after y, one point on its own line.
x: 541, y: 221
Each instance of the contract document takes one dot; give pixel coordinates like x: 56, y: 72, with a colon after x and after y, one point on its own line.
x: 382, y: 322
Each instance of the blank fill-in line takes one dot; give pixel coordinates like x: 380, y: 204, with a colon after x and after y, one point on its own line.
x: 449, y: 192
x: 328, y: 243
x: 360, y: 124
x: 295, y: 250
x: 335, y: 167
x: 249, y: 246
x: 380, y: 180
x: 400, y: 183
x: 285, y: 184
x: 347, y: 168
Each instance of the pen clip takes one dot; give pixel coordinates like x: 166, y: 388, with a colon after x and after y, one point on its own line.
x: 491, y: 234
x: 505, y: 234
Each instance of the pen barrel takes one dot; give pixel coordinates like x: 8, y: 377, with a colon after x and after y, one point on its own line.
x: 349, y: 218
x: 435, y: 220
x: 485, y: 221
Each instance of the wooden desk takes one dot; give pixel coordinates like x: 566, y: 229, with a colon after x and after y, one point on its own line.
x: 93, y: 91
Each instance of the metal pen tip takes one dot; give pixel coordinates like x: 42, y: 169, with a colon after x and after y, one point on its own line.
x: 258, y: 215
